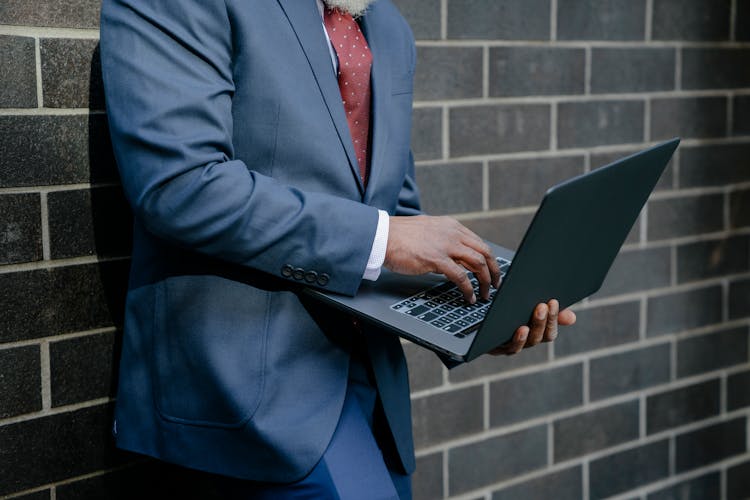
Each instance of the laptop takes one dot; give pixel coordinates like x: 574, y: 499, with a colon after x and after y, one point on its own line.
x: 565, y: 254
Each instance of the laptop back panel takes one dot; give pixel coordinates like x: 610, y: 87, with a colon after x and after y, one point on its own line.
x: 572, y: 241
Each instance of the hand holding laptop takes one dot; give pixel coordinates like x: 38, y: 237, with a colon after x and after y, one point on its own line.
x: 442, y: 245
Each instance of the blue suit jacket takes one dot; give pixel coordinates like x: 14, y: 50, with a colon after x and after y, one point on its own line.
x: 236, y: 157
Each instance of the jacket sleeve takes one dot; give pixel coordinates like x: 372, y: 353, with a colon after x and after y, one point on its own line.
x: 167, y: 68
x: 408, y: 197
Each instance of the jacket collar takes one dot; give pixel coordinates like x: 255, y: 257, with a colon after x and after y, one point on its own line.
x: 305, y: 19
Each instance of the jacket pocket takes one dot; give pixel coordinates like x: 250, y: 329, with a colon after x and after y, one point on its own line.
x: 209, y: 350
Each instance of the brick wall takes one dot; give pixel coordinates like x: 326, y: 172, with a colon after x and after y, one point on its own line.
x: 647, y: 397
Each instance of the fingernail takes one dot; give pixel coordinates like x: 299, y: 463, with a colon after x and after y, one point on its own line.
x: 540, y: 314
x: 473, y: 299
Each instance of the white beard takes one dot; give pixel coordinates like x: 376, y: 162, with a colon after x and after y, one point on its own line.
x: 354, y: 7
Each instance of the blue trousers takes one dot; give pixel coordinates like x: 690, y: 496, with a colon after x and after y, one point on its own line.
x: 352, y: 467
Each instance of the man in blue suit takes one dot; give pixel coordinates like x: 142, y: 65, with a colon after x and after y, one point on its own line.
x: 248, y: 178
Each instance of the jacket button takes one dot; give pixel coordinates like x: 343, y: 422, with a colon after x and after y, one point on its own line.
x: 287, y: 271
x: 311, y: 276
x: 323, y: 279
x: 298, y: 273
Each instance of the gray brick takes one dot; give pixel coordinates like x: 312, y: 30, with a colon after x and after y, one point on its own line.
x: 423, y: 17
x: 71, y: 73
x: 602, y: 159
x: 685, y: 216
x: 516, y: 399
x: 682, y: 406
x: 636, y: 270
x: 713, y: 258
x: 425, y: 369
x: 39, y: 495
x: 499, y: 19
x: 69, y: 14
x: 446, y: 416
x: 43, y: 150
x: 629, y: 469
x: 714, y: 165
x: 741, y: 115
x: 742, y: 21
x: 595, y: 430
x: 448, y: 73
x: 739, y: 208
x: 565, y: 484
x: 56, y: 447
x: 730, y: 68
x: 427, y: 133
x: 88, y: 222
x: 739, y: 299
x: 520, y: 71
x: 697, y: 20
x: 629, y: 371
x: 505, y: 230
x: 738, y: 390
x: 713, y: 351
x: 587, y: 124
x: 515, y: 183
x: 20, y: 381
x: 42, y: 303
x: 683, y: 310
x: 427, y: 481
x: 600, y: 327
x: 450, y: 189
x: 83, y: 368
x: 710, y: 444
x: 601, y: 19
x: 707, y: 486
x: 490, y: 365
x: 482, y: 130
x: 738, y: 481
x: 475, y: 465
x: 677, y: 117
x: 20, y: 228
x: 18, y: 78
x: 632, y: 70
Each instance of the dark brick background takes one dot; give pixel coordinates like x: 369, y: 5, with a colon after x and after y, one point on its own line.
x: 647, y: 397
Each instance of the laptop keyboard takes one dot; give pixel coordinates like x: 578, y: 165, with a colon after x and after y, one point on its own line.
x: 444, y: 307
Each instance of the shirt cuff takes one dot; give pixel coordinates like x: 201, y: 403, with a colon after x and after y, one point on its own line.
x: 379, y: 245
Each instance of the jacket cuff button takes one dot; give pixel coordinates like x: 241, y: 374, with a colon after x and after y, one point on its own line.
x: 298, y: 274
x: 287, y: 271
x: 323, y: 279
x: 311, y: 276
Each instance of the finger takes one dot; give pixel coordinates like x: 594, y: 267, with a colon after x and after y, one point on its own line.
x: 473, y: 241
x: 566, y: 317
x: 550, y: 332
x: 538, y: 325
x: 457, y: 275
x: 476, y: 263
x: 515, y: 344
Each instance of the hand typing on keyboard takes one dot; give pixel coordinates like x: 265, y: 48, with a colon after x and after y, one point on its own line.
x: 423, y: 244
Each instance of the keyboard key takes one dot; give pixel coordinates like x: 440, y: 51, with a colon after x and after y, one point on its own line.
x: 452, y: 328
x: 462, y: 323
x: 428, y: 316
x: 438, y: 323
x: 416, y: 311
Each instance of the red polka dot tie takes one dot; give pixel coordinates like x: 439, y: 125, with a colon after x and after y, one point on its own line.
x: 355, y: 62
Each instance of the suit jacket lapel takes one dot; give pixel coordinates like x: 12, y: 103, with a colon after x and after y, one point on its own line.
x: 381, y: 94
x: 305, y: 19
